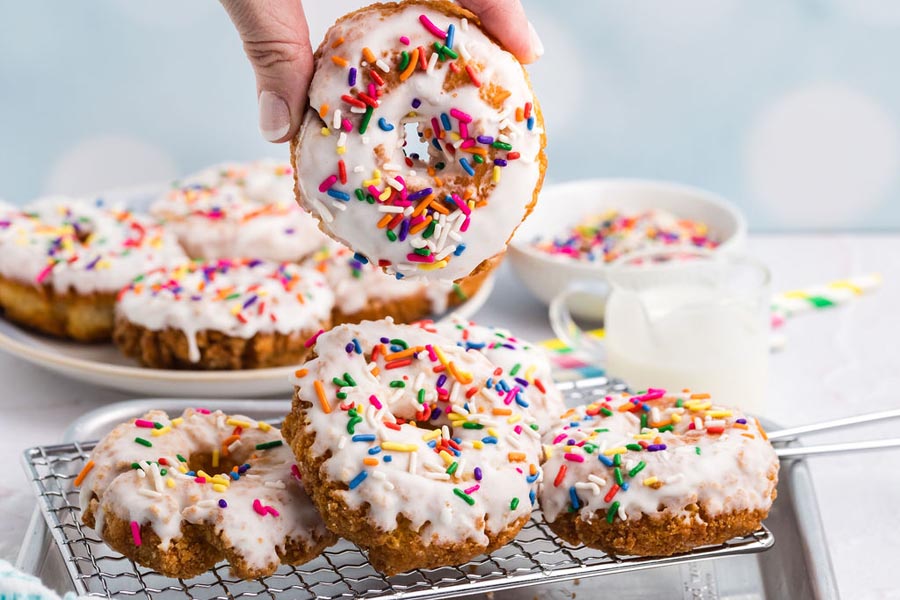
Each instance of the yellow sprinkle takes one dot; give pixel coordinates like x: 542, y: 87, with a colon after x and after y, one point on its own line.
x: 514, y: 419
x: 698, y: 406
x: 161, y: 431
x: 548, y: 451
x: 478, y: 444
x: 432, y: 435
x: 492, y: 432
x: 204, y: 474
x: 650, y: 480
x: 719, y: 414
x: 529, y: 373
x: 177, y: 421
x: 432, y: 266
x: 846, y: 285
x: 676, y: 418
x: 386, y: 193
x: 218, y: 487
x: 325, y: 131
x: 446, y: 456
x: 495, y: 176
x: 440, y: 354
x: 342, y: 150
x: 182, y: 469
x: 619, y: 450
x: 215, y: 457
x: 263, y: 426
x: 170, y: 482
x: 798, y: 294
x: 398, y: 447
x: 644, y: 436
x: 235, y: 423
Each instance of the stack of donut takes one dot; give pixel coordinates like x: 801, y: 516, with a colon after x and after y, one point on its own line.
x: 422, y: 451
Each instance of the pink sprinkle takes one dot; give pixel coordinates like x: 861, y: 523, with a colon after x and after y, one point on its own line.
x: 295, y: 471
x: 462, y: 205
x: 472, y: 489
x: 375, y: 402
x: 271, y: 511
x: 136, y: 533
x: 329, y: 181
x: 463, y: 130
x: 199, y: 479
x: 144, y: 423
x: 465, y: 225
x: 45, y: 273
x: 258, y: 507
x: 432, y: 28
x: 373, y: 91
x: 413, y: 257
x: 511, y: 395
x: 313, y: 339
x: 404, y: 40
x: 202, y: 411
x: 347, y: 125
x: 573, y: 457
x: 518, y: 429
x: 431, y: 354
x: 460, y: 115
x: 559, y: 438
x: 374, y: 191
x: 468, y: 143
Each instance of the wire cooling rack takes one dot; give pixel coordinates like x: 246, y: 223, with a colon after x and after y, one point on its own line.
x: 536, y: 556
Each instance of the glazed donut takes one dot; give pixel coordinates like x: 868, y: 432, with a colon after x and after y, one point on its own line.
x: 225, y: 314
x: 522, y: 362
x: 657, y: 474
x: 180, y: 495
x: 427, y: 64
x: 62, y: 261
x: 412, y: 448
x: 363, y: 292
x: 238, y: 210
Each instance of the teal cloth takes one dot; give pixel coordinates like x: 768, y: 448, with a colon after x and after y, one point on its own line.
x: 16, y: 585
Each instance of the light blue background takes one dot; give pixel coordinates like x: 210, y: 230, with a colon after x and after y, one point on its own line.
x: 789, y: 108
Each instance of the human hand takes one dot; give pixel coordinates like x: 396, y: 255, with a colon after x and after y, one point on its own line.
x: 276, y: 40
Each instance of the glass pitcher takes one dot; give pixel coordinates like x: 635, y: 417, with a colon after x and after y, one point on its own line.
x: 678, y: 318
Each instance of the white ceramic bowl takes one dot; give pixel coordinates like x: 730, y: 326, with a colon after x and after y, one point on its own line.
x: 564, y: 204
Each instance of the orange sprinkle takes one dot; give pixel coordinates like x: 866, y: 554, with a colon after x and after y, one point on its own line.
x: 411, y: 66
x: 438, y: 207
x: 421, y: 206
x: 339, y: 61
x: 501, y: 412
x: 516, y: 457
x: 475, y: 150
x: 532, y: 469
x: 761, y: 430
x: 375, y: 371
x: 749, y: 435
x: 520, y: 114
x: 384, y: 220
x: 323, y: 110
x: 399, y: 355
x: 300, y: 299
x: 84, y: 471
x: 419, y: 226
x: 370, y: 461
x: 740, y: 426
x: 337, y: 42
x: 320, y: 392
x: 699, y: 396
x: 368, y: 55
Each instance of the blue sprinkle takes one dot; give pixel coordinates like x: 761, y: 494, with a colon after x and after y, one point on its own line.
x: 234, y: 475
x: 222, y: 503
x: 465, y: 165
x: 363, y: 437
x: 605, y: 460
x: 398, y: 275
x: 520, y: 401
x: 572, y: 496
x: 459, y: 249
x: 388, y: 458
x: 530, y: 123
x: 432, y: 443
x: 533, y: 478
x: 531, y: 496
x: 356, y: 346
x: 191, y: 474
x: 445, y: 121
x: 357, y: 480
x: 384, y: 125
x: 343, y: 196
x: 436, y: 144
x: 489, y: 440
x: 360, y: 258
x: 624, y: 486
x: 490, y: 383
x: 374, y: 449
x: 474, y: 346
x: 451, y: 31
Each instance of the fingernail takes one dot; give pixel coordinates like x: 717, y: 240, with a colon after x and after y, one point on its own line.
x: 537, y: 46
x: 274, y: 116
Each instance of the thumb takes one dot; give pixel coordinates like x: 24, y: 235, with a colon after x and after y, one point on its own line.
x: 506, y: 21
x: 276, y: 40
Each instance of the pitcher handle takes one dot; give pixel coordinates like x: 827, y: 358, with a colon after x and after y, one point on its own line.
x: 564, y: 326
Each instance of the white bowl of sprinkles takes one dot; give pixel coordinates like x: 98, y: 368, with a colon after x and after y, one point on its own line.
x: 549, y: 254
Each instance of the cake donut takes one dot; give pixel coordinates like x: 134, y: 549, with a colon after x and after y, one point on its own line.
x: 63, y: 260
x: 225, y: 314
x: 441, y: 212
x: 363, y: 292
x: 236, y: 210
x: 524, y: 363
x: 411, y: 447
x: 657, y: 474
x: 179, y: 495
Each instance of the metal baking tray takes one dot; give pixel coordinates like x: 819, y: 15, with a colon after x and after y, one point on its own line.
x: 536, y: 563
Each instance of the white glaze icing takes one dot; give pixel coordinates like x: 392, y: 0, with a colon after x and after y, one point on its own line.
x: 239, y: 210
x: 730, y: 471
x: 80, y: 245
x: 163, y: 492
x: 240, y: 297
x: 415, y: 482
x: 496, y: 196
x: 523, y: 362
x: 356, y: 283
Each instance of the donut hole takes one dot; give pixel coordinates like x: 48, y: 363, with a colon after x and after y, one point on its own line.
x: 203, y: 461
x: 415, y: 146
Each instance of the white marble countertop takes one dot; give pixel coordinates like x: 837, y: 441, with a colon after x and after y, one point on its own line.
x: 838, y: 362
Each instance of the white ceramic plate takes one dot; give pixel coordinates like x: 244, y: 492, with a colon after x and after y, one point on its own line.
x: 103, y: 365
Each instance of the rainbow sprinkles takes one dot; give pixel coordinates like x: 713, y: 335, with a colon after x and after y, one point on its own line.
x: 439, y: 212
